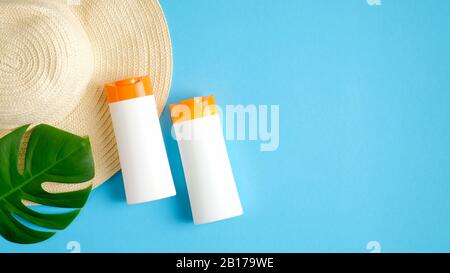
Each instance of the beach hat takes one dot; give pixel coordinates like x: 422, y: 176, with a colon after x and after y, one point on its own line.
x: 56, y: 55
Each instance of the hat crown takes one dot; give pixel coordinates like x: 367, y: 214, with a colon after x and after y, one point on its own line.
x: 46, y: 62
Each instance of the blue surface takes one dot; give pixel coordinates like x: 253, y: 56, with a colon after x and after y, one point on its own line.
x: 364, y: 95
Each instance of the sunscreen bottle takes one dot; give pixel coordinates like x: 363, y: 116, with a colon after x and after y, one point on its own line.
x: 211, y: 186
x: 145, y: 166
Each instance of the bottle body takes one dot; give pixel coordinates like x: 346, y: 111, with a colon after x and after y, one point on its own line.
x: 210, y: 181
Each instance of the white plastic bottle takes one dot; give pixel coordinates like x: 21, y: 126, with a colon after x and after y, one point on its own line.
x: 145, y: 166
x: 212, y: 189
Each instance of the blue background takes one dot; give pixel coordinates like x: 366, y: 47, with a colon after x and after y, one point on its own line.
x: 364, y: 95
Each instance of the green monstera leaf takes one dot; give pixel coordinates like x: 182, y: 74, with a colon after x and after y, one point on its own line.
x: 51, y: 155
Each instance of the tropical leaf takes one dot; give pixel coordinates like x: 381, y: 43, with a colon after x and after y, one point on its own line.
x: 51, y: 155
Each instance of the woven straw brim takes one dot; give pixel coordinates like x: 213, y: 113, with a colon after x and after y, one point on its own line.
x: 128, y: 38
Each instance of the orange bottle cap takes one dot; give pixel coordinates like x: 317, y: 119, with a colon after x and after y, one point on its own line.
x: 193, y: 108
x: 128, y: 89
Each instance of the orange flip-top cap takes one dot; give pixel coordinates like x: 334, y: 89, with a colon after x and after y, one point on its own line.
x: 193, y: 108
x: 128, y: 89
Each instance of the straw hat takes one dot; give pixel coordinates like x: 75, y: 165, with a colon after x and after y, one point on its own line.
x: 56, y: 55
